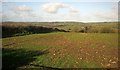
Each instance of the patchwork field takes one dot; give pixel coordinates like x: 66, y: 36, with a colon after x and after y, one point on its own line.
x: 61, y: 50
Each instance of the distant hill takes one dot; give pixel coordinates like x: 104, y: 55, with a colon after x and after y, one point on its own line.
x: 91, y: 27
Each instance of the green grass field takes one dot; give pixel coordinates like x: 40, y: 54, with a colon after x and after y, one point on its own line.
x: 61, y: 50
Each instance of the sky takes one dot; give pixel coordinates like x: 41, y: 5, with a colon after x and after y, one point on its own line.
x: 47, y: 11
x: 60, y: 0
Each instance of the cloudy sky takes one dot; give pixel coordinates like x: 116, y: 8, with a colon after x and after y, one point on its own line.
x: 59, y: 11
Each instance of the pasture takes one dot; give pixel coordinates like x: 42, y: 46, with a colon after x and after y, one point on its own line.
x: 61, y: 50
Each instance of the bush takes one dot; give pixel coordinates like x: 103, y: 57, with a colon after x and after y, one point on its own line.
x: 75, y: 29
x: 94, y: 30
x: 107, y: 30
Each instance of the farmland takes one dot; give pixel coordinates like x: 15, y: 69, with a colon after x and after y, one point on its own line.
x: 55, y: 49
x: 26, y: 28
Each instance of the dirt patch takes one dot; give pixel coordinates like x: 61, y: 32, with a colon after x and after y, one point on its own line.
x: 103, y: 55
x: 106, y: 57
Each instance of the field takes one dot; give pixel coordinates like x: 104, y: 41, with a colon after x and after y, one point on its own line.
x: 61, y: 50
x: 10, y: 29
x: 93, y: 27
x: 59, y: 35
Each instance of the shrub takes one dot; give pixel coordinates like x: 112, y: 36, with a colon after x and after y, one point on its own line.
x: 107, y: 30
x: 94, y: 30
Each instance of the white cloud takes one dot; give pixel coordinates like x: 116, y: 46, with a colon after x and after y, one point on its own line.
x: 50, y: 12
x: 25, y: 13
x: 74, y: 10
x: 1, y: 1
x: 22, y: 8
x: 21, y: 12
x: 54, y: 7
